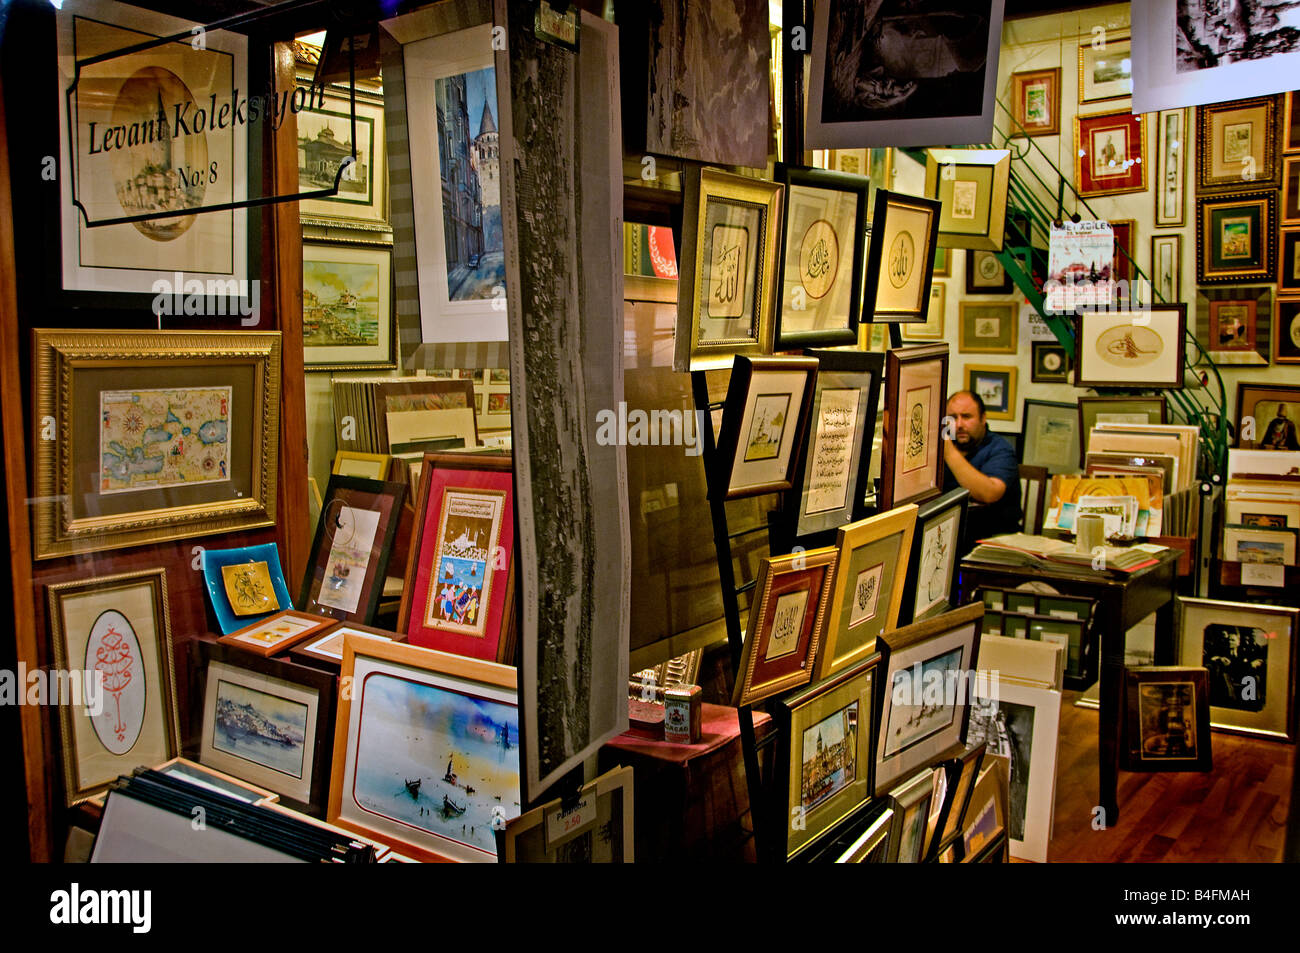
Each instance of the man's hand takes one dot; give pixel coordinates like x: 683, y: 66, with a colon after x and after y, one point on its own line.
x: 950, y: 452
x: 983, y: 489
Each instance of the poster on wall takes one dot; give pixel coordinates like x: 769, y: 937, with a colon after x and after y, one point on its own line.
x: 1080, y: 260
x: 898, y: 73
x: 1193, y: 52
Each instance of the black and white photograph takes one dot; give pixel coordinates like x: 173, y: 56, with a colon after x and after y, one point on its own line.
x: 903, y: 72
x: 1213, y: 33
x: 1008, y: 730
x: 1236, y: 657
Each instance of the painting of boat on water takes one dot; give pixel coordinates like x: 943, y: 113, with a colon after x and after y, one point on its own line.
x: 436, y: 759
x: 260, y: 727
x: 340, y: 302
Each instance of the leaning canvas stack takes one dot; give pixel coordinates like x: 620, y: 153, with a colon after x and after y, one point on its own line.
x: 1262, y: 514
x: 1164, y: 455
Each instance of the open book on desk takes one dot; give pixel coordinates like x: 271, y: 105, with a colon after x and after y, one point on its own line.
x: 1022, y: 549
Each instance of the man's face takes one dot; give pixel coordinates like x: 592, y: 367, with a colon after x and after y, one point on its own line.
x: 968, y: 424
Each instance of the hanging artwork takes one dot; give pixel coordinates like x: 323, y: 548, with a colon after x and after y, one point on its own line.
x: 1126, y: 349
x: 1110, y: 152
x: 916, y: 381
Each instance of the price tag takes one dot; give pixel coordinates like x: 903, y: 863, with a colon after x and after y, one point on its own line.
x: 1263, y: 574
x: 561, y: 824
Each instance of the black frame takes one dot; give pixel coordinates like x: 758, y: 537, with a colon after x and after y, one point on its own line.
x: 733, y: 416
x: 1038, y: 375
x: 1007, y: 286
x: 1130, y: 749
x: 956, y: 769
x: 928, y: 511
x: 875, y: 255
x: 858, y: 185
x: 1024, y: 424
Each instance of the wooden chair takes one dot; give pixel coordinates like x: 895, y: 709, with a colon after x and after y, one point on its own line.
x: 1033, y: 498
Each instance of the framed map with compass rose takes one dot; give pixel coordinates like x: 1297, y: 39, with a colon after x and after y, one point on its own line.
x: 1124, y: 348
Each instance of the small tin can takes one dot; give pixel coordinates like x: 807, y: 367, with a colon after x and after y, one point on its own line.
x: 682, y: 714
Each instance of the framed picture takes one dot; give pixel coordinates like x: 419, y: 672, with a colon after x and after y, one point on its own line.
x: 367, y: 466
x: 1036, y: 101
x: 597, y: 829
x: 872, y: 845
x: 1119, y: 410
x: 913, y: 733
x: 1266, y: 416
x: 1236, y: 145
x: 971, y: 185
x: 987, y: 328
x: 942, y: 262
x: 1236, y: 236
x: 1166, y: 719
x: 932, y: 329
x: 1019, y: 725
x: 987, y: 811
x: 1105, y: 69
x: 933, y: 587
x: 1291, y: 190
x: 1248, y: 652
x: 118, y: 625
x: 1171, y: 168
x: 131, y: 256
x: 832, y: 477
x: 985, y: 274
x: 1052, y: 436
x: 996, y: 386
x: 326, y: 651
x: 1167, y: 267
x: 872, y: 94
x: 1125, y: 261
x: 916, y: 398
x: 962, y: 772
x: 825, y: 759
x: 459, y: 589
x: 870, y: 576
x: 274, y: 634
x: 1232, y: 323
x: 823, y: 248
x: 452, y: 120
x: 787, y: 621
x: 159, y: 435
x: 1131, y: 348
x: 325, y: 140
x: 900, y: 257
x: 1286, y: 332
x: 730, y: 230
x: 348, y: 317
x: 244, y: 584
x: 1110, y: 153
x: 407, y: 702
x: 1291, y: 125
x: 1050, y: 364
x: 270, y: 722
x: 1188, y: 54
x: 911, y: 803
x: 1264, y: 513
x: 1288, y: 270
x: 1259, y: 544
x: 764, y: 423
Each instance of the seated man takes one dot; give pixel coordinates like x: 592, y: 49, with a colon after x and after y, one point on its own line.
x: 985, y: 464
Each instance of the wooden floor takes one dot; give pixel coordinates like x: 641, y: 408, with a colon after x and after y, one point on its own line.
x: 1237, y: 812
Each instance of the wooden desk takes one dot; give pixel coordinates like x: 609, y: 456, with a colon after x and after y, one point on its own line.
x: 1123, y: 600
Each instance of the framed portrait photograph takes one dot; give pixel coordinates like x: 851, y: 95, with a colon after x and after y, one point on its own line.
x: 916, y: 399
x: 971, y: 185
x: 1131, y: 348
x: 932, y: 329
x: 1288, y: 262
x: 348, y: 319
x: 1036, y: 101
x: 1167, y: 267
x: 1171, y: 168
x: 1266, y: 416
x: 912, y: 733
x: 406, y: 702
x: 1049, y: 364
x: 996, y: 385
x: 832, y: 476
x: 275, y: 633
x: 764, y: 424
x: 160, y: 435
x: 1248, y: 652
x: 459, y: 589
x: 1110, y: 153
x: 730, y: 234
x: 596, y: 830
x: 118, y: 625
x: 1105, y: 69
x: 825, y: 759
x: 244, y: 584
x: 354, y: 539
x: 933, y: 587
x: 1236, y: 145
x: 1286, y: 331
x: 270, y: 722
x: 911, y: 803
x: 987, y: 328
x: 787, y: 621
x: 1232, y: 323
x: 452, y: 120
x: 985, y: 274
x: 1166, y: 719
x: 1236, y: 236
x: 1052, y: 436
x: 870, y: 576
x: 325, y: 140
x: 900, y: 258
x: 865, y: 88
x: 823, y: 249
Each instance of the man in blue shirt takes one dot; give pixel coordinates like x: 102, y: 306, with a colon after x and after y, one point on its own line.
x: 985, y: 464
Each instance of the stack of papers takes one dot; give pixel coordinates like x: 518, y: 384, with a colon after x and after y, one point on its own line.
x: 1022, y: 549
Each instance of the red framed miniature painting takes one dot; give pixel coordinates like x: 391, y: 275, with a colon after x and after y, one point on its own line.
x: 459, y: 592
